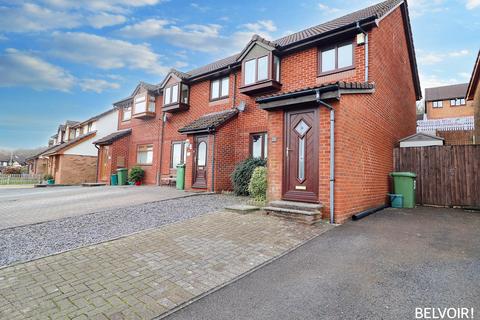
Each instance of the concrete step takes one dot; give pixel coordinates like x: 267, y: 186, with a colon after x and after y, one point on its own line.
x: 296, y: 206
x: 303, y: 216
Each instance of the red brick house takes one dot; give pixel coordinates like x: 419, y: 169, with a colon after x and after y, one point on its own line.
x: 355, y: 77
x: 473, y: 97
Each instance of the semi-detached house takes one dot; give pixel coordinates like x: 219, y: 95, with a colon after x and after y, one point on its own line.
x: 325, y: 106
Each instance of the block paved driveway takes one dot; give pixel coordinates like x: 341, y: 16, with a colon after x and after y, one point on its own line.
x: 381, y: 267
x: 144, y: 275
x: 27, y: 206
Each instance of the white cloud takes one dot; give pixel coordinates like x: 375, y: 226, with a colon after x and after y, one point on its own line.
x: 193, y: 36
x: 420, y: 7
x: 112, y: 6
x: 199, y: 7
x: 31, y: 17
x: 331, y: 11
x: 3, y: 37
x: 22, y: 69
x: 430, y: 58
x: 431, y: 81
x: 459, y: 53
x: 105, y: 53
x: 199, y: 37
x: 97, y: 85
x: 472, y: 4
x: 105, y: 20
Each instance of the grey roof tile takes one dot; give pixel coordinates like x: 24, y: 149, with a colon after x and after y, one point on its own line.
x: 446, y: 92
x: 113, y: 137
x: 209, y: 122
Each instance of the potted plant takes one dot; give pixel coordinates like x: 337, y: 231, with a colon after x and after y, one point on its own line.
x: 49, y: 179
x: 136, y: 175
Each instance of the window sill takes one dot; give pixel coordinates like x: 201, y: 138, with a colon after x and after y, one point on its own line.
x: 261, y: 87
x: 175, y: 107
x: 144, y: 164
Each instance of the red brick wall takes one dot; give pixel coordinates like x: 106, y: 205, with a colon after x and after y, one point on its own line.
x: 74, y: 169
x: 117, y: 150
x: 367, y: 126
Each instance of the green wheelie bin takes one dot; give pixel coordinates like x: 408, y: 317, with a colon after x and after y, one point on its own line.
x: 122, y: 176
x: 180, y: 176
x: 404, y: 183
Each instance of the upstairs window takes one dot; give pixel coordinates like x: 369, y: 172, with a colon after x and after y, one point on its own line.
x: 151, y: 104
x: 259, y: 145
x: 140, y: 104
x: 457, y: 102
x: 256, y: 70
x: 219, y: 88
x: 145, y: 154
x: 437, y: 104
x: 337, y: 58
x: 170, y: 95
x: 127, y: 113
x: 90, y: 127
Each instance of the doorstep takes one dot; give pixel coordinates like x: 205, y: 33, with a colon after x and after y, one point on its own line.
x: 308, y: 213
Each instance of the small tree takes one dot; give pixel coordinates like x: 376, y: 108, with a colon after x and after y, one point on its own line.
x: 136, y: 174
x: 258, y: 184
x: 243, y: 173
x: 12, y: 170
x: 48, y: 177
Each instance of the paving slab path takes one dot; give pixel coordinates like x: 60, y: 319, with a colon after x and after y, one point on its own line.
x: 147, y: 274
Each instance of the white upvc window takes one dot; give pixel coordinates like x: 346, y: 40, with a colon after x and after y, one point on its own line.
x: 140, y: 104
x: 437, y: 104
x: 127, y: 113
x: 170, y: 95
x: 219, y: 88
x: 145, y: 154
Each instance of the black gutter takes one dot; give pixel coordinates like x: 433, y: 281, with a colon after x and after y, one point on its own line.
x: 365, y: 23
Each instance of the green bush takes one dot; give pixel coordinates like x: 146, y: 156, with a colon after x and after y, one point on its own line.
x: 243, y: 173
x: 136, y: 174
x: 258, y: 184
x: 48, y: 177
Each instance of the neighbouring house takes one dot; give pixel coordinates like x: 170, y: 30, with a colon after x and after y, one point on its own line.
x: 421, y: 139
x: 325, y: 106
x: 448, y: 114
x: 138, y: 138
x: 72, y: 159
x: 473, y: 97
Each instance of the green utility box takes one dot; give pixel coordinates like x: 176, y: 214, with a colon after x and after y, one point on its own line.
x: 122, y: 176
x: 404, y: 183
x: 114, y: 180
x: 180, y: 176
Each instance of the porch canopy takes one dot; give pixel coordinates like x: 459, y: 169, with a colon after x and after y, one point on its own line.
x: 209, y: 122
x: 325, y: 91
x: 111, y: 138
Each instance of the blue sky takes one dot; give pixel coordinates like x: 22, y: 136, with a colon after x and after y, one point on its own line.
x: 65, y: 59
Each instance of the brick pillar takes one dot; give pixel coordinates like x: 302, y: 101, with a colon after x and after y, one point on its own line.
x: 275, y: 154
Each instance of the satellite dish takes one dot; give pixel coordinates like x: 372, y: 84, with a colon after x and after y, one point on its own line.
x: 241, y: 106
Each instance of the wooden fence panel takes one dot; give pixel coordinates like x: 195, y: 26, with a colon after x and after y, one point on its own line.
x: 446, y: 175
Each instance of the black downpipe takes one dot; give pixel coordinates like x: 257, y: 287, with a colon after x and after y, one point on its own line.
x: 368, y: 212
